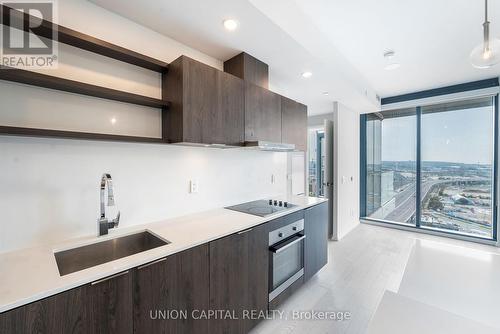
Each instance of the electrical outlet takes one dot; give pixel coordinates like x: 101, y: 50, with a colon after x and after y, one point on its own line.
x: 193, y: 186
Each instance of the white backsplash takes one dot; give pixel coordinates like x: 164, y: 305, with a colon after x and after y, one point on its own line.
x: 49, y: 188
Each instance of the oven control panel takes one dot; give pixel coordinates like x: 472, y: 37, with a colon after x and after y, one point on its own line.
x: 285, y: 232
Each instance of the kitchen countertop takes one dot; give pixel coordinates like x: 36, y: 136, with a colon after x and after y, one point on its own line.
x: 31, y: 274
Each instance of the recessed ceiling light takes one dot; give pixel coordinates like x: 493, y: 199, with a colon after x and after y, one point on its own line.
x: 113, y: 120
x: 392, y: 66
x: 230, y: 24
x: 307, y: 74
x: 325, y: 93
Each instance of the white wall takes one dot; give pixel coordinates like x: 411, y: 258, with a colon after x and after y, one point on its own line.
x: 49, y: 187
x: 346, y: 166
x: 346, y: 169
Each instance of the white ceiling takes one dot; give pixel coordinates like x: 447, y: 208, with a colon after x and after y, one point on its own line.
x: 340, y: 41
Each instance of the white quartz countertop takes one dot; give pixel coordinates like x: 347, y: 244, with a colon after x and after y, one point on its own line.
x: 32, y: 274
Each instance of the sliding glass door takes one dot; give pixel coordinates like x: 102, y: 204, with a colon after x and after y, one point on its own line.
x: 457, y: 149
x: 442, y: 154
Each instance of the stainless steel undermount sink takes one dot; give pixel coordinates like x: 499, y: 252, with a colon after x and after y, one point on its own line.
x: 76, y: 259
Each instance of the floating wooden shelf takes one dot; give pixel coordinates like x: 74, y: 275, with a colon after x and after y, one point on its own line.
x: 86, y: 42
x: 48, y: 81
x: 34, y: 132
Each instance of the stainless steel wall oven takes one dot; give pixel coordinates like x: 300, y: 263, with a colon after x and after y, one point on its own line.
x: 286, y: 257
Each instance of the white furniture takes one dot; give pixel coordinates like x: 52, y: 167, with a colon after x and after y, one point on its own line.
x: 398, y: 314
x: 461, y: 280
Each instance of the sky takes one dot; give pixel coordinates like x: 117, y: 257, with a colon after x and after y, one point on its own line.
x: 464, y: 136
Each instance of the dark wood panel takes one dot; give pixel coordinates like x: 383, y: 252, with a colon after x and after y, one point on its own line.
x: 33, y: 132
x: 256, y: 71
x: 248, y: 68
x: 239, y: 278
x: 200, y: 98
x: 236, y: 66
x: 105, y: 307
x: 180, y: 282
x: 262, y: 114
x: 225, y: 123
x: 89, y: 43
x: 207, y: 105
x: 59, y: 314
x: 51, y: 82
x: 109, y: 305
x: 172, y: 90
x: 316, y: 243
x: 294, y: 123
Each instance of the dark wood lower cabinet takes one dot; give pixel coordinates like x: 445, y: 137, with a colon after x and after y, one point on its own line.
x: 239, y: 279
x: 102, y: 307
x: 316, y: 243
x: 170, y: 294
x: 219, y: 287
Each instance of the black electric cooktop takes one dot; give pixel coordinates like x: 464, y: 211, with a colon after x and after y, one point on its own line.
x: 262, y: 208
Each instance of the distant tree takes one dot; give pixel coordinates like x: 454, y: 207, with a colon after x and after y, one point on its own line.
x: 435, y: 203
x: 441, y: 192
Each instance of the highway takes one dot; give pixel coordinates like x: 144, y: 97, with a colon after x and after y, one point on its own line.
x: 405, y: 201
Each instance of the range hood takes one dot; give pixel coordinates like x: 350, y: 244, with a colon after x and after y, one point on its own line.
x: 270, y: 146
x: 257, y: 145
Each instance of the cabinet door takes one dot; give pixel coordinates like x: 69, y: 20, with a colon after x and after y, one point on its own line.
x: 239, y: 278
x: 262, y: 114
x: 225, y: 123
x: 59, y: 314
x: 199, y: 101
x: 104, y: 307
x: 177, y: 285
x: 294, y: 123
x: 316, y: 242
x: 109, y: 305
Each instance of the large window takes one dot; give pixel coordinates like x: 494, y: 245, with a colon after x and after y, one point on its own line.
x: 391, y: 166
x: 456, y: 187
x: 442, y: 154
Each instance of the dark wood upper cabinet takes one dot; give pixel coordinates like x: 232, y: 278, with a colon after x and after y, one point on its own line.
x: 248, y: 68
x: 316, y: 243
x: 226, y: 124
x: 262, y: 114
x: 104, y: 306
x: 294, y: 123
x: 239, y: 278
x: 179, y: 282
x: 207, y: 105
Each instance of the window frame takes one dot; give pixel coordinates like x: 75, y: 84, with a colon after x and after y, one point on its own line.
x: 442, y: 94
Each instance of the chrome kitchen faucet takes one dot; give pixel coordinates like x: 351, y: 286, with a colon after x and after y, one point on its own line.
x: 104, y: 223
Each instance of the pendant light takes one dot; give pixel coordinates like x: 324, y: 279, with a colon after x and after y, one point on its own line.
x: 487, y: 54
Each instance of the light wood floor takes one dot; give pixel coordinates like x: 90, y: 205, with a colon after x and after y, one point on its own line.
x: 368, y: 261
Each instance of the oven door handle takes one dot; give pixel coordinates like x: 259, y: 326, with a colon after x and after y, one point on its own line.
x: 282, y: 246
